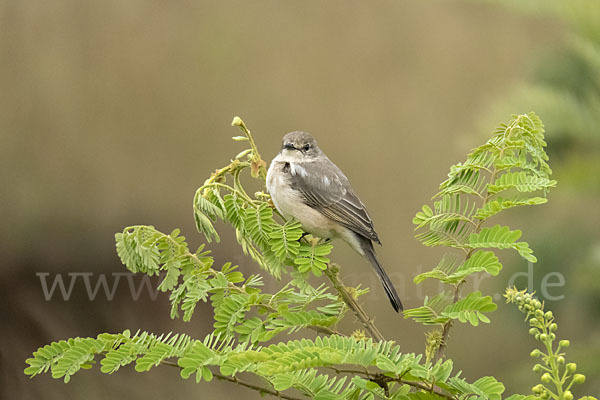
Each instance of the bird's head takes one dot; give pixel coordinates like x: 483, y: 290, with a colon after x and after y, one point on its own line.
x: 300, y: 145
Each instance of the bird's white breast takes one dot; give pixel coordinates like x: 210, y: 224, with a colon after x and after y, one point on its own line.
x: 290, y: 202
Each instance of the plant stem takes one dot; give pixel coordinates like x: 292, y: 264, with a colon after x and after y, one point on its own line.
x: 262, y: 170
x: 448, y: 325
x: 379, y: 378
x: 233, y: 379
x: 554, y: 368
x: 260, y: 389
x: 333, y: 275
x: 374, y: 377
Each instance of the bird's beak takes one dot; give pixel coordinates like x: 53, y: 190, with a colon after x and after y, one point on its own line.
x: 289, y: 146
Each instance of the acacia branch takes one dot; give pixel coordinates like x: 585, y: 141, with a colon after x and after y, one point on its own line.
x: 382, y: 381
x: 378, y: 378
x: 332, y: 273
x: 448, y: 325
x: 262, y: 390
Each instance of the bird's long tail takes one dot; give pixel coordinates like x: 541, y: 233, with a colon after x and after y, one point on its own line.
x: 367, y: 247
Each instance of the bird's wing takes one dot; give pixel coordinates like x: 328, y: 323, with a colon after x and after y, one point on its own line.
x: 326, y: 189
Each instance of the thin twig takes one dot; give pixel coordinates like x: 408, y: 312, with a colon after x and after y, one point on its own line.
x: 262, y: 390
x: 427, y: 389
x: 325, y: 330
x: 256, y: 159
x: 332, y: 274
x: 380, y: 379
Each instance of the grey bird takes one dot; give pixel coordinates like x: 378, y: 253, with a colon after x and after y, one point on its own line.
x: 306, y: 185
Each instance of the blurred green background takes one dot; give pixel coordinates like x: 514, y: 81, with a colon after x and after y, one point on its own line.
x: 112, y: 113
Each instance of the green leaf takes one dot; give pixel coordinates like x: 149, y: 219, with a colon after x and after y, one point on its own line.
x: 229, y: 311
x: 258, y: 223
x: 45, y: 357
x: 194, y: 289
x: 442, y: 272
x: 422, y: 217
x: 447, y: 213
x: 521, y: 181
x: 470, y: 309
x: 205, y: 213
x: 234, y: 207
x: 447, y: 271
x: 500, y: 237
x: 79, y: 353
x: 302, y: 354
x: 477, y: 262
x: 196, y: 360
x: 526, y: 397
x: 173, y: 268
x: 449, y: 224
x: 486, y: 388
x: 311, y: 257
x: 153, y: 358
x: 430, y: 313
x: 116, y: 358
x: 490, y: 387
x: 284, y: 239
x: 294, y: 321
x: 493, y: 207
x: 209, y: 204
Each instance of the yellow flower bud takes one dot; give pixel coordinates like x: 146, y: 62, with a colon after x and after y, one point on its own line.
x: 535, y: 353
x: 568, y: 395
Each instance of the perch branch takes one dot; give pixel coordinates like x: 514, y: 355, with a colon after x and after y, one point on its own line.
x: 262, y: 390
x: 332, y: 273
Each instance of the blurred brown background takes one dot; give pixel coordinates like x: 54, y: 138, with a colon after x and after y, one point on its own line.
x: 112, y: 113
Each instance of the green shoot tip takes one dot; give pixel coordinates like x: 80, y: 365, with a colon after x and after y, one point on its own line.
x: 237, y: 121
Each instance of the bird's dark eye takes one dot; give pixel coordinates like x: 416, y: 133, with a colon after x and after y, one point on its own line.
x: 306, y: 147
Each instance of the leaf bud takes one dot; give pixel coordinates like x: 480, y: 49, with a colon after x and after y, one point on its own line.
x: 537, y: 368
x: 552, y: 336
x: 546, y: 378
x: 560, y: 360
x: 549, y: 315
x: 571, y: 367
x: 543, y: 337
x: 237, y: 121
x: 539, y: 313
x: 579, y: 378
x: 553, y: 327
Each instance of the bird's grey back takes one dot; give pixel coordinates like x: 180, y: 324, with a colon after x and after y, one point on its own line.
x: 325, y: 188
